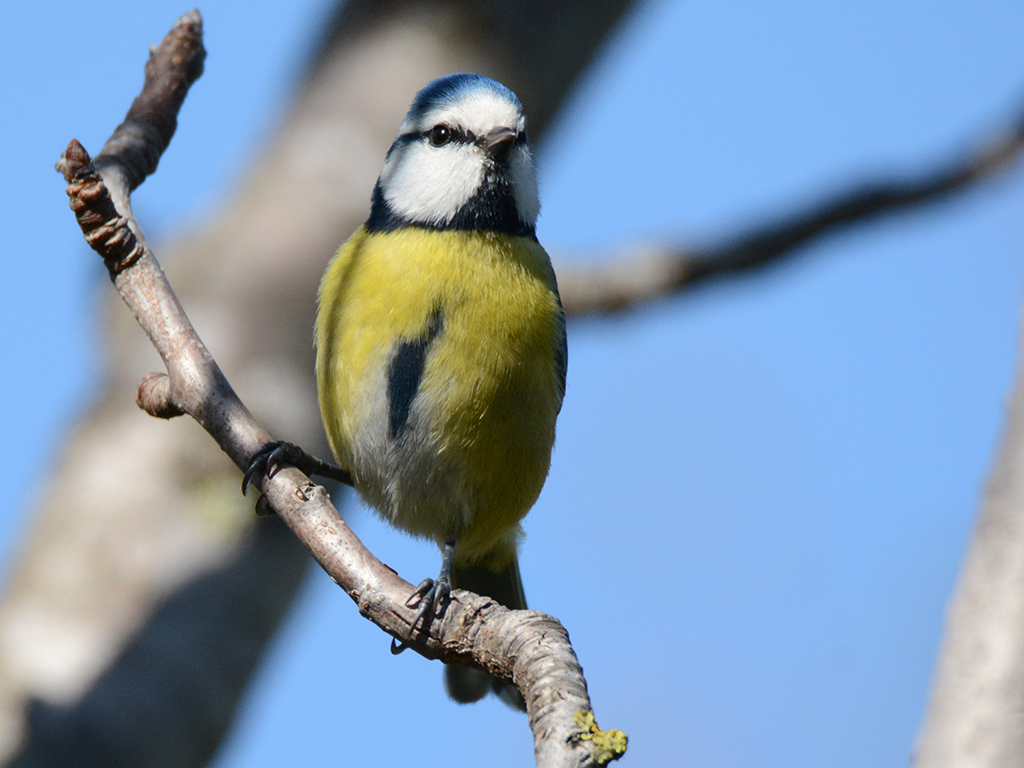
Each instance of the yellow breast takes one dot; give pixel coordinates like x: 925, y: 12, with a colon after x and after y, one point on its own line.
x: 440, y: 368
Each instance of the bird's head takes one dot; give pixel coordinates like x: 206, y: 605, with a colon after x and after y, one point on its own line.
x: 461, y: 161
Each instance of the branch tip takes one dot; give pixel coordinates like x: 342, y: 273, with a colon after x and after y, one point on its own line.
x: 104, y: 228
x: 193, y: 19
x: 173, y: 66
x: 182, y: 49
x: 75, y: 162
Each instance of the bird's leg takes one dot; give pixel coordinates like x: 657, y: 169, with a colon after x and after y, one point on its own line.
x: 268, y: 459
x: 433, y: 596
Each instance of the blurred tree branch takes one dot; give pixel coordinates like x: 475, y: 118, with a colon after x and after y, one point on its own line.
x: 119, y: 583
x: 974, y: 712
x: 651, y: 273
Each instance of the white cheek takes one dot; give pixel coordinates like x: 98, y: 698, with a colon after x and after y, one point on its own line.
x: 431, y: 184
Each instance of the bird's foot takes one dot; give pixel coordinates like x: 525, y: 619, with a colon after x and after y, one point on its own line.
x: 269, y: 459
x: 433, y: 598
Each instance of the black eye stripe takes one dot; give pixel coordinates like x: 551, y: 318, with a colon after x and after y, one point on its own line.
x: 443, y: 133
x: 457, y: 136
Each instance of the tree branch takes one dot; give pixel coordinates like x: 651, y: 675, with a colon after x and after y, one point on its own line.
x: 651, y: 273
x: 135, y: 146
x: 973, y: 718
x: 528, y: 648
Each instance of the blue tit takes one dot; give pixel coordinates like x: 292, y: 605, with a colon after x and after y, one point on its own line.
x: 441, y: 347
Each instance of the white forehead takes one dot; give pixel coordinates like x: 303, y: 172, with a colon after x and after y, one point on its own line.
x: 478, y: 110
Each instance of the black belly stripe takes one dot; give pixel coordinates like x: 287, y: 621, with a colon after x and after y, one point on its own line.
x: 405, y: 373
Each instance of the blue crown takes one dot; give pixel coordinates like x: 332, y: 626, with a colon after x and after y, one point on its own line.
x: 451, y: 88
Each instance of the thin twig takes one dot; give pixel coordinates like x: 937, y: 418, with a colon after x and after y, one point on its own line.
x: 528, y: 648
x: 652, y: 273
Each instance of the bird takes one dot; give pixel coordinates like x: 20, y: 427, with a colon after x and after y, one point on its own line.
x: 441, y: 349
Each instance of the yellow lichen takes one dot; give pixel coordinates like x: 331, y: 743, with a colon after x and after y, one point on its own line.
x: 608, y: 745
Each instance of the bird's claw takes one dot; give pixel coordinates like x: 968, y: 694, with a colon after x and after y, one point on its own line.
x: 433, y: 598
x: 267, y: 460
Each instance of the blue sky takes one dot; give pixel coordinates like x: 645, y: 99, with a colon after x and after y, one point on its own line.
x: 761, y: 491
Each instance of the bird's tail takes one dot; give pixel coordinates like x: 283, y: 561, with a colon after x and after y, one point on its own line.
x: 466, y: 684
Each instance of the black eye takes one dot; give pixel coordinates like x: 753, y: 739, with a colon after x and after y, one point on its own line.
x: 440, y: 135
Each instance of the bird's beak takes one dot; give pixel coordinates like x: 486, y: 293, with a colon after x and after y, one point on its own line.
x: 498, y: 143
